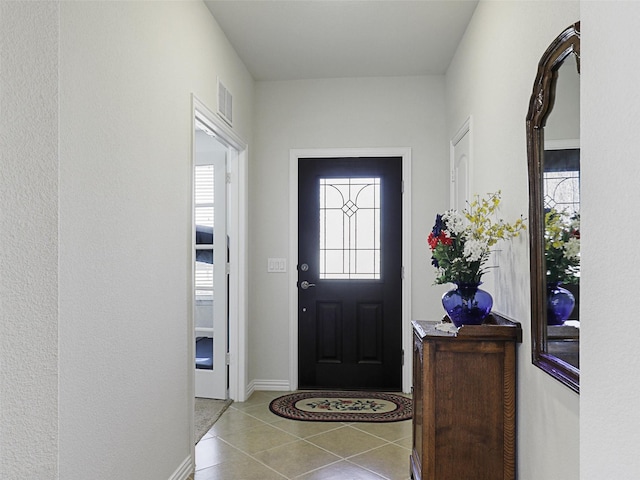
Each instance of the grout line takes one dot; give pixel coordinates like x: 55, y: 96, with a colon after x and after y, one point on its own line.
x: 255, y: 459
x: 382, y: 438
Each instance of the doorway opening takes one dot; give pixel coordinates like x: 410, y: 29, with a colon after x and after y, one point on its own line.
x: 211, y: 265
x: 217, y: 322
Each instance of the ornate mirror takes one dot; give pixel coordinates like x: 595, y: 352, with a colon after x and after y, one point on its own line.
x: 553, y: 151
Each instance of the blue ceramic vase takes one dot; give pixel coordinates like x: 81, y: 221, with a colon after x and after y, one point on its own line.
x: 560, y: 303
x: 467, y: 304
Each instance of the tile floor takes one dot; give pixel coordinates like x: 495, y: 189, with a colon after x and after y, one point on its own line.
x: 249, y: 442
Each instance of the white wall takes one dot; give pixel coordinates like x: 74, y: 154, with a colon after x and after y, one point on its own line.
x: 127, y: 73
x: 28, y: 240
x: 610, y: 364
x: 102, y: 208
x: 491, y: 78
x: 335, y: 113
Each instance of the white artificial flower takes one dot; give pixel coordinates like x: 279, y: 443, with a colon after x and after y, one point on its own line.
x: 575, y: 223
x: 455, y: 221
x: 474, y: 250
x: 572, y: 248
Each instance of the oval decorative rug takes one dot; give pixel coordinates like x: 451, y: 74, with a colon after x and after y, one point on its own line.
x: 343, y: 407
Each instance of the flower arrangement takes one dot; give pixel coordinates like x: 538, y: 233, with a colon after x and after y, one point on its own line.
x: 461, y: 242
x: 562, y: 246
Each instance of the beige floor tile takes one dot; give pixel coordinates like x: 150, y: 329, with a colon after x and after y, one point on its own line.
x: 233, y: 421
x: 257, y: 439
x: 296, y: 458
x: 244, y: 469
x: 341, y: 471
x: 406, y: 442
x: 391, y: 431
x: 249, y: 442
x: 390, y: 461
x: 257, y: 398
x: 212, y: 451
x: 305, y: 429
x: 346, y: 441
x: 262, y: 412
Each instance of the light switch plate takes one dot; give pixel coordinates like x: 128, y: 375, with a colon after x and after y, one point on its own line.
x: 276, y: 265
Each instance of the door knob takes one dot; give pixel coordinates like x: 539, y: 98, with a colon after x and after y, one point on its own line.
x: 304, y: 285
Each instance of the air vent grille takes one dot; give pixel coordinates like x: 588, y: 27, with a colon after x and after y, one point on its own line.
x: 225, y: 103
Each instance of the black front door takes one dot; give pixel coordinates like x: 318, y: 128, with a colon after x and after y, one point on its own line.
x: 350, y: 273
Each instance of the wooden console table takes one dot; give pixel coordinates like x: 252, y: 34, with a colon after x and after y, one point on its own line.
x: 464, y: 390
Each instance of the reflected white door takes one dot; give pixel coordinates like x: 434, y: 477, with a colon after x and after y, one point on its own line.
x: 461, y: 167
x: 211, y: 259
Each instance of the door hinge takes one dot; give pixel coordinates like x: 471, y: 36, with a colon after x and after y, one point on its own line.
x: 403, y: 357
x: 228, y: 178
x: 402, y: 186
x: 228, y: 358
x: 402, y: 272
x: 228, y: 268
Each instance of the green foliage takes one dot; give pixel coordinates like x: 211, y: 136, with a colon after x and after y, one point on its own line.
x: 562, y: 247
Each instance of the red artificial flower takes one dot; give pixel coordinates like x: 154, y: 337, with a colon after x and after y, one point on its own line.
x: 432, y: 240
x: 444, y: 239
x: 441, y: 238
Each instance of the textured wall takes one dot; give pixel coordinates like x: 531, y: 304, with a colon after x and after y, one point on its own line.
x: 95, y: 231
x: 127, y: 72
x: 491, y: 78
x: 29, y: 240
x: 610, y: 335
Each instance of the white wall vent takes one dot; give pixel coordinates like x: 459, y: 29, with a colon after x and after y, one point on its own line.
x: 225, y: 103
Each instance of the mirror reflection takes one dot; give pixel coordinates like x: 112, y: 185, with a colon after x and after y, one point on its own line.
x: 561, y: 199
x: 553, y: 157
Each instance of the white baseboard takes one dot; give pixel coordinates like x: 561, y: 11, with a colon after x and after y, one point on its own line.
x: 268, y: 386
x: 185, y: 469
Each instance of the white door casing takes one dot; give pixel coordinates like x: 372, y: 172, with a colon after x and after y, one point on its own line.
x: 237, y: 157
x: 461, y: 166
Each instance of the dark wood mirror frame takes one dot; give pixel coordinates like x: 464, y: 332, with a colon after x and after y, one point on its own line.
x: 540, y: 106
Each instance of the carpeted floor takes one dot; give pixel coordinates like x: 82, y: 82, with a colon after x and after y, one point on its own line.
x: 206, y: 413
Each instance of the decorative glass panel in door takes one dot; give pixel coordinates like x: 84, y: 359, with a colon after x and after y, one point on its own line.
x: 349, y: 228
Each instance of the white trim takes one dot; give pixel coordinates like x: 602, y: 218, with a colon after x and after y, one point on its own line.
x: 465, y: 128
x: 238, y: 253
x: 186, y: 468
x: 462, y: 131
x: 271, y: 386
x: 294, y: 155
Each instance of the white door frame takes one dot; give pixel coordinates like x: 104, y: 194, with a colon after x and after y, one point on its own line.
x: 237, y: 231
x: 294, y: 155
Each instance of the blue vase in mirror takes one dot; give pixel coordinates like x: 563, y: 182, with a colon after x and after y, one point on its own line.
x: 560, y: 303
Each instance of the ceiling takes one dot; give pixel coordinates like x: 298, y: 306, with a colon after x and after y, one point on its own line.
x: 304, y: 39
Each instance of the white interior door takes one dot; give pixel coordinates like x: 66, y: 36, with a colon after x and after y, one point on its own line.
x: 211, y: 259
x: 461, y: 167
